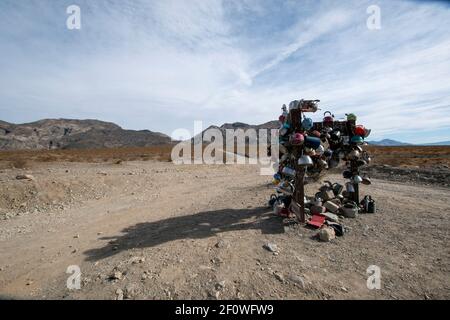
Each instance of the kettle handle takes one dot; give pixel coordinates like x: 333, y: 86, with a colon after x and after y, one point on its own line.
x: 329, y: 183
x: 327, y: 112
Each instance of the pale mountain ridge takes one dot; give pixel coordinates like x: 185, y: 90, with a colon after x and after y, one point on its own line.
x: 244, y: 126
x: 91, y: 133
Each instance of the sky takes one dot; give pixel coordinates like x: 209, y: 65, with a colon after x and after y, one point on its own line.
x: 161, y: 65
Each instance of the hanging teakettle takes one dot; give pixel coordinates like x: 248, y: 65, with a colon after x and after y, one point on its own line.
x: 315, y: 133
x: 335, y: 136
x: 284, y: 129
x: 328, y: 119
x: 294, y: 105
x: 305, y: 161
x: 366, y: 157
x: 312, y: 142
x: 357, y: 140
x: 351, y: 117
x: 297, y: 139
x: 361, y: 162
x: 357, y: 179
x: 347, y: 174
x: 366, y: 181
x: 309, y: 105
x: 349, y: 187
x: 360, y: 130
x: 307, y: 124
x: 353, y: 155
x: 320, y: 150
x: 288, y: 171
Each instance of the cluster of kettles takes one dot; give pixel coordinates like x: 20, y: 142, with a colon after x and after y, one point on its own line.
x: 323, y: 145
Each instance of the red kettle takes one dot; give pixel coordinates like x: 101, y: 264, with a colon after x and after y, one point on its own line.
x: 328, y: 119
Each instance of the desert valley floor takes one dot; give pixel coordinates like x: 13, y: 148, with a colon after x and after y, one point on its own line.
x: 153, y: 230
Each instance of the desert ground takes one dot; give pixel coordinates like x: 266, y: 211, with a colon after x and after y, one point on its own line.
x: 140, y: 227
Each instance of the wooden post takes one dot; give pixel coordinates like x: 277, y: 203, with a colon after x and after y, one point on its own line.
x: 299, y: 194
x: 353, y: 166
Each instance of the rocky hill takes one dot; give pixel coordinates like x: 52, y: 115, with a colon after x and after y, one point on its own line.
x: 244, y: 126
x: 70, y: 134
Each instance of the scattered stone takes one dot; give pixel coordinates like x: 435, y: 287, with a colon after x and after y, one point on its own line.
x: 131, y: 291
x: 119, y: 293
x: 203, y: 268
x: 344, y: 289
x: 117, y: 275
x: 297, y: 280
x: 272, y: 247
x: 216, y: 261
x: 220, y: 285
x: 136, y: 260
x: 213, y: 294
x: 326, y: 234
x: 221, y: 244
x: 86, y: 281
x: 279, y: 276
x: 24, y: 177
x: 76, y: 236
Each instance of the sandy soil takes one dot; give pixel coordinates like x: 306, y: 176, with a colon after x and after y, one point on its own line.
x: 152, y: 230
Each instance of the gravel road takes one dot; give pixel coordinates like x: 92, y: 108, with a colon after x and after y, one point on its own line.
x: 153, y: 230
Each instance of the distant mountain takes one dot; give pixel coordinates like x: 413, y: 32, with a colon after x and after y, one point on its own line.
x: 388, y: 142
x: 442, y: 143
x: 244, y: 126
x: 72, y: 134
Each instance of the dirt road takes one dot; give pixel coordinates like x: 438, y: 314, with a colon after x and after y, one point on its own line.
x: 153, y: 230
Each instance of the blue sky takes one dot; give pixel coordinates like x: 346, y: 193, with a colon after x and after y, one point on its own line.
x: 160, y: 65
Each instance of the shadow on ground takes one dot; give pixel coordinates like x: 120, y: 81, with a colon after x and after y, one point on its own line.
x: 197, y: 226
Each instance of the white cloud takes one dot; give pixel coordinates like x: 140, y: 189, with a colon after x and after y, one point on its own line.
x: 162, y: 64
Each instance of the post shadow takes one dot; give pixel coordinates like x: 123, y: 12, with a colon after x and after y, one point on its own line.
x: 196, y: 226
